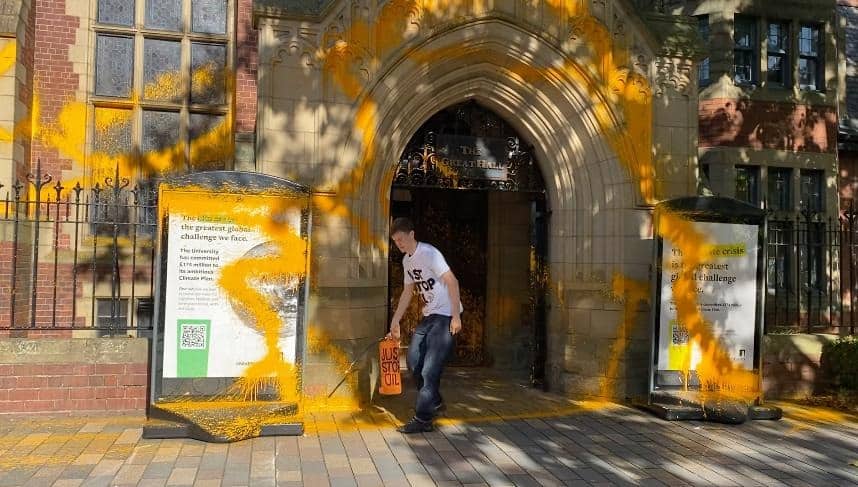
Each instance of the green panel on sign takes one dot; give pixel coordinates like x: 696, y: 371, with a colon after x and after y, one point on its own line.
x: 192, y: 353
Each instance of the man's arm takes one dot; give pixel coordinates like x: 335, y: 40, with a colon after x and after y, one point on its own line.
x: 404, y: 300
x: 455, y: 301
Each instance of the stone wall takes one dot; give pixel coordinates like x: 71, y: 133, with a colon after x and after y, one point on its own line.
x: 847, y: 11
x: 73, y: 374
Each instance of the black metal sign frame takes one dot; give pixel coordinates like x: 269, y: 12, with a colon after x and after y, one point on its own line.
x: 709, y: 210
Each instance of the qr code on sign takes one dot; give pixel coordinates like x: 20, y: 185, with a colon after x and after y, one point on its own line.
x: 193, y: 337
x: 680, y: 334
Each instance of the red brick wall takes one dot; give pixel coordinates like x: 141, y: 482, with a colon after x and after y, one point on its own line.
x: 50, y: 311
x: 246, y: 68
x: 5, y: 284
x: 767, y: 125
x: 73, y: 374
x: 55, y: 80
x: 72, y: 387
x: 22, y: 279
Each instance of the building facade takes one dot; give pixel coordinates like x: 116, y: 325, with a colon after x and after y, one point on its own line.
x: 589, y: 114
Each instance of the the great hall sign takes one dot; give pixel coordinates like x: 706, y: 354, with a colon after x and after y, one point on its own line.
x: 468, y: 162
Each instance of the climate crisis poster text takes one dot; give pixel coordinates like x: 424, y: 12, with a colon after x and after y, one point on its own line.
x: 726, y: 287
x: 206, y: 335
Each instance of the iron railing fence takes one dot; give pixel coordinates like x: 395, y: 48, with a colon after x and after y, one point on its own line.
x: 811, y: 276
x: 75, y: 258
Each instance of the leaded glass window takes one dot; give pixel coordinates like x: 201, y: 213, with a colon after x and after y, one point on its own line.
x: 117, y: 12
x: 160, y: 91
x: 114, y: 58
x: 812, y: 190
x: 207, y: 80
x: 780, y: 254
x: 162, y: 79
x: 214, y: 147
x: 160, y: 130
x: 208, y: 16
x: 164, y: 14
x: 113, y: 135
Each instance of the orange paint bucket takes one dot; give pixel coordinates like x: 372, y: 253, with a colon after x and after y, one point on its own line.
x: 391, y: 379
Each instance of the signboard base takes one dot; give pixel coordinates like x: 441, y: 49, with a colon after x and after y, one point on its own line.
x: 690, y: 406
x: 216, y: 423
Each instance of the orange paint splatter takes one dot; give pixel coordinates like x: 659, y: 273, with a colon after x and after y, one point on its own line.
x: 632, y: 293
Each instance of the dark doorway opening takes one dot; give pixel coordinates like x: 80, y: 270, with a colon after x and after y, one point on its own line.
x: 473, y: 191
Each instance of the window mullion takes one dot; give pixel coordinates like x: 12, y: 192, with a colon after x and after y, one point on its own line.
x: 763, y: 49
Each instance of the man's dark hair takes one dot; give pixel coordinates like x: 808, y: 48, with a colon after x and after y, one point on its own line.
x: 401, y: 224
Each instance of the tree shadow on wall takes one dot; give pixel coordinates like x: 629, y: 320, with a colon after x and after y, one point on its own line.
x: 765, y: 125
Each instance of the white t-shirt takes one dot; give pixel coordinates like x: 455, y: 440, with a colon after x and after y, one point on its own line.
x: 424, y: 269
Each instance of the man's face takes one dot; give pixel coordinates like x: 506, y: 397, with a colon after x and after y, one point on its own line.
x: 404, y: 241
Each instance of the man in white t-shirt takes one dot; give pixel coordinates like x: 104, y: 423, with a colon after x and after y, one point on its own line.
x: 426, y: 270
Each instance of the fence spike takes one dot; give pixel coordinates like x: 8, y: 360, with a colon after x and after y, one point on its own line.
x: 77, y: 189
x: 59, y: 189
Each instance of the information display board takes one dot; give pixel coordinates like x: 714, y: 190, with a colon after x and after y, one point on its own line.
x: 205, y: 333
x: 726, y: 287
x: 231, y: 282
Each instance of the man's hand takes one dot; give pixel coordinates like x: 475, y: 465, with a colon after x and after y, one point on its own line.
x: 394, y: 331
x: 455, y: 325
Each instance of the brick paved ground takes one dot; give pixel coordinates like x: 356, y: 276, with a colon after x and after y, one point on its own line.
x: 495, y: 433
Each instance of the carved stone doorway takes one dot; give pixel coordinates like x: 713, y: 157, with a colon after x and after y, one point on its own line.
x: 473, y: 191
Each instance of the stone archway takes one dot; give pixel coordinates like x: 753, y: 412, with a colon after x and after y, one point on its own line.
x: 590, y: 192
x: 609, y: 107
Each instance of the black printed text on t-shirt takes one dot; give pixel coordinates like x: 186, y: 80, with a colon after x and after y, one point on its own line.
x: 416, y: 275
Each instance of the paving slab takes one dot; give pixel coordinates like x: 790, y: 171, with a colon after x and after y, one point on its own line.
x: 496, y: 432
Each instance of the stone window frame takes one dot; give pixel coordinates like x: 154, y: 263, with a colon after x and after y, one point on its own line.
x: 704, y: 30
x: 812, y: 185
x: 752, y: 49
x: 753, y: 181
x: 816, y: 56
x: 135, y: 102
x: 780, y: 265
x: 777, y: 199
x: 758, y: 51
x: 782, y: 52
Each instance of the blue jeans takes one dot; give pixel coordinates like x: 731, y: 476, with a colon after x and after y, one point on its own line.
x: 430, y: 347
